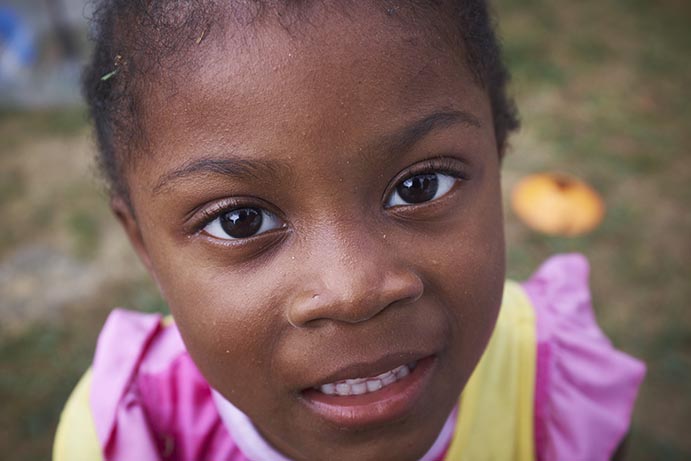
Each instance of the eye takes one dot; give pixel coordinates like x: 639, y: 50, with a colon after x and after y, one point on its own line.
x: 241, y: 223
x: 421, y: 188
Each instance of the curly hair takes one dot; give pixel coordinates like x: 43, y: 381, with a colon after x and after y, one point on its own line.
x: 137, y: 40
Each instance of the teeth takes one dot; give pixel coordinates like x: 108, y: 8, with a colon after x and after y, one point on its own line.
x: 358, y: 389
x: 374, y: 385
x: 359, y: 386
x: 402, y: 372
x: 329, y: 389
x: 342, y: 389
x: 388, y: 378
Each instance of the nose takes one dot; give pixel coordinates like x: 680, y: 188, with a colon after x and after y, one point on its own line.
x: 351, y: 283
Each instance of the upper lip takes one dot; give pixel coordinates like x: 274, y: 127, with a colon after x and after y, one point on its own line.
x: 366, y: 369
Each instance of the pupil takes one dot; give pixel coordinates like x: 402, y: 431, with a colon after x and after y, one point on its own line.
x: 242, y: 223
x: 419, y: 188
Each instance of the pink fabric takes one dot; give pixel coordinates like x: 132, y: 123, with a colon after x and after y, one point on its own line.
x: 148, y: 399
x: 115, y: 363
x: 150, y: 402
x: 585, y: 389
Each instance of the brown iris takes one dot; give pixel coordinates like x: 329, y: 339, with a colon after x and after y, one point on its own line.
x: 419, y: 188
x: 242, y: 222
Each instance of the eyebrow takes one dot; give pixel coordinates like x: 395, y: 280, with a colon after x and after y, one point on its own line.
x: 249, y: 169
x: 240, y: 168
x: 404, y: 139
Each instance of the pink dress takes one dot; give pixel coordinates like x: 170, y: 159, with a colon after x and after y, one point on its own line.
x: 149, y: 401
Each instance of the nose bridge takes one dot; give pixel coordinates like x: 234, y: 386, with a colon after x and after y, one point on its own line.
x: 354, y: 277
x: 350, y: 264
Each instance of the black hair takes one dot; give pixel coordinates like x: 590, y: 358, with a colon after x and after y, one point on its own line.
x: 137, y: 40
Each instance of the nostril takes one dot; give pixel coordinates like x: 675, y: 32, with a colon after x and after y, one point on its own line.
x: 406, y: 288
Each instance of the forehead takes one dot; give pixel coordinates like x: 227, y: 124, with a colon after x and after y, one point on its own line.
x: 326, y: 82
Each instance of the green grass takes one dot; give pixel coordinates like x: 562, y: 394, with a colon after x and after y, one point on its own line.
x: 11, y: 186
x: 84, y: 227
x: 37, y: 371
x: 18, y: 124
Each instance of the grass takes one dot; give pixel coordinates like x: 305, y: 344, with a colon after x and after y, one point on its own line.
x: 17, y: 124
x: 602, y: 94
x: 35, y: 377
x: 84, y: 227
x: 611, y: 106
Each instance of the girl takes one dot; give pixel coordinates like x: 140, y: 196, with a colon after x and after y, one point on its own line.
x: 314, y: 187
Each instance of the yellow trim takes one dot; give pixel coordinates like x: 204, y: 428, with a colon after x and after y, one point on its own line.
x: 75, y: 438
x: 495, y: 420
x: 167, y: 321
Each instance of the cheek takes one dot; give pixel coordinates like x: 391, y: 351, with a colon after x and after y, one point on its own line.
x: 466, y: 269
x: 470, y: 278
x: 229, y: 322
x: 467, y: 251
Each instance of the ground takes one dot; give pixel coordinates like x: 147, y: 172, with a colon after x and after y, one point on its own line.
x: 603, y: 90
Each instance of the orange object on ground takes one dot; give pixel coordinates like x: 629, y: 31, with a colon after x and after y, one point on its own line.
x: 557, y: 204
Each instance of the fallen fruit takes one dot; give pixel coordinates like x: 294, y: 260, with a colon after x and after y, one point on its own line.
x: 557, y: 204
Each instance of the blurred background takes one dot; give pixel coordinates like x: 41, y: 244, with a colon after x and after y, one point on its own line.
x: 604, y: 90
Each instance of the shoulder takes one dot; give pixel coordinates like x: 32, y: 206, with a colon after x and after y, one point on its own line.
x: 146, y: 397
x: 585, y: 388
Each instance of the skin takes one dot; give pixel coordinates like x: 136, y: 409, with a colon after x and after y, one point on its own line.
x: 318, y: 128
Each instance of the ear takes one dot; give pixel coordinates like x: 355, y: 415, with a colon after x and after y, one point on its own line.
x: 124, y: 213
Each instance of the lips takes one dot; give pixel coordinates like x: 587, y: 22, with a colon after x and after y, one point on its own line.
x: 363, y: 395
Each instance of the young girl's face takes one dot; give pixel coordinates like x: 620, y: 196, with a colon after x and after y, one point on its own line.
x: 323, y: 204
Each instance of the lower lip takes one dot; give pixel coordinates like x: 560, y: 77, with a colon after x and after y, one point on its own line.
x: 385, y: 405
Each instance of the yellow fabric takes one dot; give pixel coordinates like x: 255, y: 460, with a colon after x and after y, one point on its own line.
x: 495, y: 420
x: 76, y: 439
x: 167, y: 321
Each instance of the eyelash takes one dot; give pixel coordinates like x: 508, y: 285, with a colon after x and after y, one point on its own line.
x: 444, y: 165
x: 439, y: 165
x: 217, y: 210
